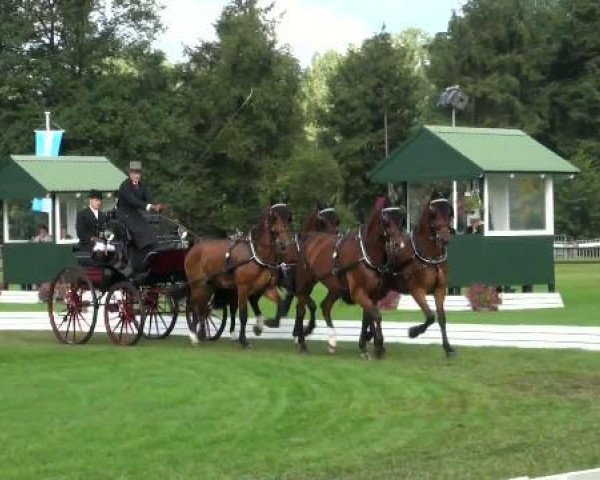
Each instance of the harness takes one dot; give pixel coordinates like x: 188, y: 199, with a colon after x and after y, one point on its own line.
x: 434, y: 262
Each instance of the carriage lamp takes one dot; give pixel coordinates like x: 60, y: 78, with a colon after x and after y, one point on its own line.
x: 512, y: 175
x: 182, y: 232
x: 109, y: 235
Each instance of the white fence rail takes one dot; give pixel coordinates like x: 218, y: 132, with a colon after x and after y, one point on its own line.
x: 576, y: 250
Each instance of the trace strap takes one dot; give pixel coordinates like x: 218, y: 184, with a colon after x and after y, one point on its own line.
x: 430, y: 261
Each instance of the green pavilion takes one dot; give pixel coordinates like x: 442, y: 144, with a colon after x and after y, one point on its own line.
x: 500, y: 180
x: 47, y: 191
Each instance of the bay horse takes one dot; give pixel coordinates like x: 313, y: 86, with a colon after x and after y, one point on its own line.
x: 355, y: 267
x: 428, y: 270
x: 322, y: 218
x: 250, y: 266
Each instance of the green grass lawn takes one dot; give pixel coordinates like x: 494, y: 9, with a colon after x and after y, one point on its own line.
x: 167, y: 410
x: 579, y: 285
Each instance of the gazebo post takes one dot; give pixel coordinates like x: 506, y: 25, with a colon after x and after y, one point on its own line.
x: 5, y: 220
x: 455, y: 203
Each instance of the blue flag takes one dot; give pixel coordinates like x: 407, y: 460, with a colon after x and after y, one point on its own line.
x: 47, y: 142
x: 41, y: 205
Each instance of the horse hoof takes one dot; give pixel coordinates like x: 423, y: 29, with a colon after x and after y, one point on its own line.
x: 331, y: 347
x: 234, y: 336
x: 414, y: 332
x: 194, y: 339
x: 451, y: 353
x: 257, y: 330
x: 365, y: 356
x: 271, y: 323
x: 303, y: 350
x: 244, y: 344
x: 379, y: 353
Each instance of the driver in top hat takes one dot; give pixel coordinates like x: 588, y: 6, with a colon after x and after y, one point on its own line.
x: 90, y: 223
x: 134, y: 198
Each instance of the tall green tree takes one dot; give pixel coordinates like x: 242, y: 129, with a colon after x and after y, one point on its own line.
x: 494, y: 50
x: 233, y: 136
x: 573, y: 90
x: 373, y: 84
x: 316, y: 101
x: 576, y: 213
x: 69, y: 58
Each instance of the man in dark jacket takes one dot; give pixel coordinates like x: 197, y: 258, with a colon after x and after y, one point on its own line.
x: 134, y: 198
x: 90, y: 222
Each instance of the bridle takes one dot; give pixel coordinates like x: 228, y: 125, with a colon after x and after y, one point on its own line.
x: 323, y: 218
x: 255, y: 257
x: 434, y: 236
x: 391, y: 246
x: 434, y: 229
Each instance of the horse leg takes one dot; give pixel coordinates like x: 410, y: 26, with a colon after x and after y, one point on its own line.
x: 243, y: 307
x: 260, y: 319
x: 312, y: 323
x: 372, y: 318
x: 363, y: 340
x: 421, y: 299
x: 298, y: 324
x: 326, y: 306
x: 232, y: 312
x: 283, y: 307
x: 439, y: 295
x: 199, y: 301
x: 193, y: 333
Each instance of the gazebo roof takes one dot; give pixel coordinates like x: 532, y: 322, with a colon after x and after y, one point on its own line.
x: 25, y: 176
x: 455, y: 153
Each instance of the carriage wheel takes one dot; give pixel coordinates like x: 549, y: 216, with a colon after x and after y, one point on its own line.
x: 160, y: 314
x: 123, y: 316
x: 209, y: 328
x: 72, y: 306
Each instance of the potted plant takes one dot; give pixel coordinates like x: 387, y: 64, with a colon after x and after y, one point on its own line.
x: 483, y: 297
x: 472, y: 202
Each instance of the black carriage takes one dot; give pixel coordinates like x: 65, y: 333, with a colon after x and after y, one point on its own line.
x: 130, y: 304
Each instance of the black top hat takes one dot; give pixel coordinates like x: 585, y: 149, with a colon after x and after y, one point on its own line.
x: 95, y: 194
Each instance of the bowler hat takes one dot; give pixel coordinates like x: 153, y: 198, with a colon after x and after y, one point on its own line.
x: 135, y: 165
x: 95, y: 194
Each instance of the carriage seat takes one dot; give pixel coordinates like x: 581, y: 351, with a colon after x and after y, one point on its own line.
x: 85, y: 258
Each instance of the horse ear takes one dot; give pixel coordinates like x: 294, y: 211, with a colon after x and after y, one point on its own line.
x: 320, y: 205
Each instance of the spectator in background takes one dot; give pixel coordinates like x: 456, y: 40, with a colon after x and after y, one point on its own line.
x: 475, y: 226
x: 42, y: 236
x: 64, y: 235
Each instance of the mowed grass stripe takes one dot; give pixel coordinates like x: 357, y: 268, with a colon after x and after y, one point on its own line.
x: 169, y: 410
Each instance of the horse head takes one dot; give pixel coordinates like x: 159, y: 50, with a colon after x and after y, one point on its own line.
x: 276, y: 221
x: 327, y: 218
x: 386, y: 228
x: 439, y: 214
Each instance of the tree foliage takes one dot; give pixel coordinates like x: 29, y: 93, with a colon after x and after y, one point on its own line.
x: 375, y: 81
